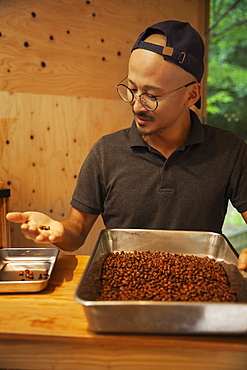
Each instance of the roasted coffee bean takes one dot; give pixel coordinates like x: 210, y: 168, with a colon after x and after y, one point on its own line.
x: 162, y: 276
x: 44, y: 227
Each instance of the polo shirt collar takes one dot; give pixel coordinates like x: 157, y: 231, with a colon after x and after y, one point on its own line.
x: 196, y: 135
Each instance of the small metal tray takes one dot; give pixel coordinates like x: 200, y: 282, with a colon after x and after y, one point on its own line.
x: 26, y: 270
x: 161, y: 317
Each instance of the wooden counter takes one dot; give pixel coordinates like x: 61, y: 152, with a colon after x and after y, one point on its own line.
x: 49, y: 330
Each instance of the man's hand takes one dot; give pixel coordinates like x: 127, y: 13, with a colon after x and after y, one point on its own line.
x: 38, y: 226
x: 242, y: 261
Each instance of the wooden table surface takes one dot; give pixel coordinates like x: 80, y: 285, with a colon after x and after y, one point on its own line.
x: 49, y: 330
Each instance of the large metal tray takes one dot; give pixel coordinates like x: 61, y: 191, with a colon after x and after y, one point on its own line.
x: 26, y: 270
x: 160, y: 317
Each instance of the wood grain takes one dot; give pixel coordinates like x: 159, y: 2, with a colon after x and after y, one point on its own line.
x: 49, y: 330
x: 77, y: 48
x: 41, y: 159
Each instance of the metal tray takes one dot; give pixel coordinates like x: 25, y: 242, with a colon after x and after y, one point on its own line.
x: 160, y: 317
x: 26, y: 270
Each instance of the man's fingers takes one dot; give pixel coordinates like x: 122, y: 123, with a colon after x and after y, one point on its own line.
x: 242, y: 261
x: 18, y: 217
x: 37, y: 226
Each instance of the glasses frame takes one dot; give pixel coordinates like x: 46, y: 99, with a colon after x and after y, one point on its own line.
x: 142, y: 100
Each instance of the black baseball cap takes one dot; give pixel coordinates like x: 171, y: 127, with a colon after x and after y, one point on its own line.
x: 184, y: 46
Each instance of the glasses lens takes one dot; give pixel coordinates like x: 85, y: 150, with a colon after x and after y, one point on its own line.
x: 149, y: 101
x: 125, y: 93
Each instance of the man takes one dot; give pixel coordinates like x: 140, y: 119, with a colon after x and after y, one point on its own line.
x: 168, y: 171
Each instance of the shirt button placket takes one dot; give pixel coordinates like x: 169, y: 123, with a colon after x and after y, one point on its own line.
x: 167, y: 178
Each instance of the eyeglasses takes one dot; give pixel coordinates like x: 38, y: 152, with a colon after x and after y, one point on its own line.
x: 149, y: 101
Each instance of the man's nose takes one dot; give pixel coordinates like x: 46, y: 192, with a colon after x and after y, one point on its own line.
x: 137, y: 105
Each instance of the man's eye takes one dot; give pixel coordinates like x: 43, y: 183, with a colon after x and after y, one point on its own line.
x: 151, y: 97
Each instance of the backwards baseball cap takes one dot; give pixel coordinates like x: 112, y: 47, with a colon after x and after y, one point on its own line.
x: 184, y: 46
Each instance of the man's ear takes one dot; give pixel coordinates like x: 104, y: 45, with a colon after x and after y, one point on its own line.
x: 193, y: 95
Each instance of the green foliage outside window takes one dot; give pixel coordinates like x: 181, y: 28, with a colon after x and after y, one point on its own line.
x: 227, y: 69
x: 227, y: 77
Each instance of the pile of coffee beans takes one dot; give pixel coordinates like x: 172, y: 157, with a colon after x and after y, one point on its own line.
x: 162, y: 276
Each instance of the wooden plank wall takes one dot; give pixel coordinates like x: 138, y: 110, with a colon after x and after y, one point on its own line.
x: 59, y: 63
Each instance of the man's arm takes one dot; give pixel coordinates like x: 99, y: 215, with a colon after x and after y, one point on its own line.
x: 242, y: 262
x: 68, y: 235
x: 76, y: 229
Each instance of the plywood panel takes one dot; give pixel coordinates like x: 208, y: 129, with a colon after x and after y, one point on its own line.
x: 74, y: 47
x: 44, y: 140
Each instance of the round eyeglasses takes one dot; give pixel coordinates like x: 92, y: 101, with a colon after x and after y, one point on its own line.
x: 149, y: 101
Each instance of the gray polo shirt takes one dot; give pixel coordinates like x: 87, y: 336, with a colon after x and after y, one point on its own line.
x: 134, y: 186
